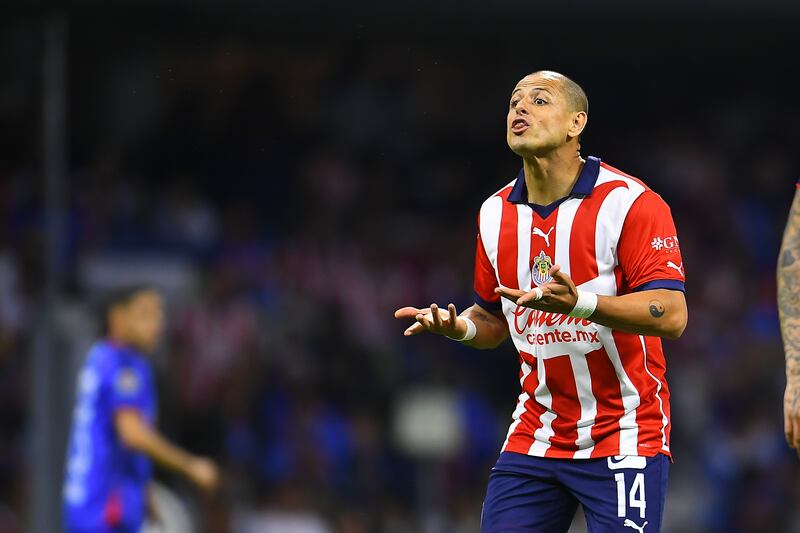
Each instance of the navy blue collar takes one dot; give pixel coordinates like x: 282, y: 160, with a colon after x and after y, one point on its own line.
x: 583, y: 187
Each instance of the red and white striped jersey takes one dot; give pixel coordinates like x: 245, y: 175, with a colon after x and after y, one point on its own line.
x: 587, y: 390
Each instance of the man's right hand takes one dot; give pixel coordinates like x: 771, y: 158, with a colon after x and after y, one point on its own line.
x: 204, y: 473
x: 434, y: 320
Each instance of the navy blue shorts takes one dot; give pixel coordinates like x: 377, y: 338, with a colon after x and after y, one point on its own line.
x: 538, y: 495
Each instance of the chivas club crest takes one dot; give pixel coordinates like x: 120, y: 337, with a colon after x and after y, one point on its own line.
x: 541, y: 269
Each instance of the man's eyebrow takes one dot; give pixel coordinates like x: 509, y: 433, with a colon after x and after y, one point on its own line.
x: 545, y: 89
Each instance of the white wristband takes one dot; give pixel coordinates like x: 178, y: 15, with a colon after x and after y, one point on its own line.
x: 585, y: 306
x: 471, y: 330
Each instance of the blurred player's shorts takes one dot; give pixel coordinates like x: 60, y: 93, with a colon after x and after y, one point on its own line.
x: 173, y: 517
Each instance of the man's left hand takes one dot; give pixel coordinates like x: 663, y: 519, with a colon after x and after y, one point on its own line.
x: 558, y: 295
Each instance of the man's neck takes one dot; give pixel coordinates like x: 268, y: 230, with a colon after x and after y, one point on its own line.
x: 551, y: 177
x: 121, y: 342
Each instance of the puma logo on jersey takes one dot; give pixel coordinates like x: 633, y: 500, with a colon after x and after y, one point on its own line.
x: 679, y: 268
x: 632, y: 524
x: 543, y: 235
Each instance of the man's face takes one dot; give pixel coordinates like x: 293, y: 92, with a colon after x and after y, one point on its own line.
x: 539, y: 116
x: 143, y: 319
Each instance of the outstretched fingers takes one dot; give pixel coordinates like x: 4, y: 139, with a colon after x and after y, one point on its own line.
x: 423, y: 319
x: 559, y: 276
x: 416, y: 314
x: 407, y: 312
x: 511, y: 294
x: 451, y: 308
x: 433, y: 319
x: 414, y: 329
x: 437, y: 319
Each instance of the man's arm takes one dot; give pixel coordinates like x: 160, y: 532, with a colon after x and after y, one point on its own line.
x: 136, y: 434
x: 657, y: 312
x: 789, y: 312
x: 490, y: 329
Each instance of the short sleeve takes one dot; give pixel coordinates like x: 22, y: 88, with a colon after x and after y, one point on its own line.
x: 129, y: 388
x: 649, y: 252
x: 485, y: 280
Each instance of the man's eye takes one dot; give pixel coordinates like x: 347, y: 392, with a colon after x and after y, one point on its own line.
x: 514, y: 103
x: 539, y: 101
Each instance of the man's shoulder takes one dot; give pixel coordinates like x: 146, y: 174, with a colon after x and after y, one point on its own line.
x: 107, y: 357
x: 608, y: 174
x: 635, y: 202
x: 629, y: 190
x: 102, y: 354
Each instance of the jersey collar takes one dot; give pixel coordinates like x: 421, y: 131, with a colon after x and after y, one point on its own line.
x: 583, y: 187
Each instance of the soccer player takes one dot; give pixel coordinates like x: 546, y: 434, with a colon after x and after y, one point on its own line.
x: 580, y: 264
x: 789, y: 310
x: 113, y: 437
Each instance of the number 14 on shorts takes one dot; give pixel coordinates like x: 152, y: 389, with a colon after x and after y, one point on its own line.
x: 633, y: 497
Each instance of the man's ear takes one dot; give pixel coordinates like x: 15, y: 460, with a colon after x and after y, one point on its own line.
x: 579, y: 121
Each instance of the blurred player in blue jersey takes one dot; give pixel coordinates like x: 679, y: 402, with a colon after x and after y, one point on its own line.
x: 113, y: 437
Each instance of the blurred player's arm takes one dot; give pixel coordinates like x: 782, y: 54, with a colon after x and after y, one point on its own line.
x: 490, y: 328
x: 135, y: 433
x: 789, y: 312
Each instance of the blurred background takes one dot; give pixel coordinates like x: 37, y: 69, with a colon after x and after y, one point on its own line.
x: 291, y: 172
